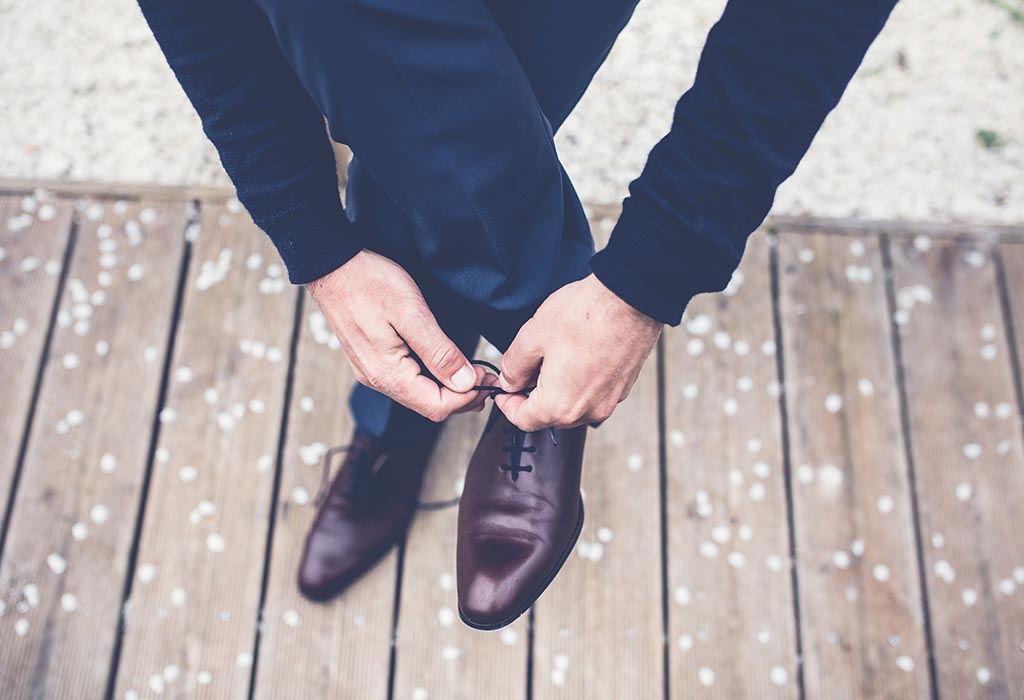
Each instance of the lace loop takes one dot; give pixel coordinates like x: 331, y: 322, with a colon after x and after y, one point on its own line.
x: 515, y: 449
x: 362, y: 470
x: 325, y: 474
x: 516, y: 444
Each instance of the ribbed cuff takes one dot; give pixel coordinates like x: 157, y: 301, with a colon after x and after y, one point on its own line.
x: 313, y: 238
x: 657, y: 272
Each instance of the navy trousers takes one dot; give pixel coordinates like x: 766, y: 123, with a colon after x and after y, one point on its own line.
x: 473, y: 202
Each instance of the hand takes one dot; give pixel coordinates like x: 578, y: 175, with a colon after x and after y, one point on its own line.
x: 584, y: 347
x: 381, y: 319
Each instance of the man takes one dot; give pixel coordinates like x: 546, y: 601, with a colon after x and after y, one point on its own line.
x: 461, y: 221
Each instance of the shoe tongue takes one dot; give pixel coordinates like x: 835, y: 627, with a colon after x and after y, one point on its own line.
x: 497, y: 421
x: 365, y: 459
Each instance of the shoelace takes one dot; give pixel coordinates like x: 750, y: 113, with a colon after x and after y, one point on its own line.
x: 515, y: 449
x: 362, y: 470
x: 516, y: 438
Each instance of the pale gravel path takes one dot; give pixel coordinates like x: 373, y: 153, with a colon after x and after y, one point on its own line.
x: 86, y: 96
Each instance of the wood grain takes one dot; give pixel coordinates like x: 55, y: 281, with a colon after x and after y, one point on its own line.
x: 860, y: 592
x: 1011, y: 256
x: 339, y: 649
x: 192, y: 625
x: 731, y: 617
x: 598, y: 628
x: 968, y: 459
x: 67, y: 548
x: 191, y: 620
x: 34, y: 237
x: 437, y: 653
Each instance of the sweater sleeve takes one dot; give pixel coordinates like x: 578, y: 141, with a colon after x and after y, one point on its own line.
x: 768, y: 76
x: 270, y: 136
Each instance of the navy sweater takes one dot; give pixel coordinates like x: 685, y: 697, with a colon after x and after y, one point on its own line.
x: 769, y: 74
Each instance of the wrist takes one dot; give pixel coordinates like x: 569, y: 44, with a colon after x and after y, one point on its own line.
x: 336, y: 276
x: 621, y: 307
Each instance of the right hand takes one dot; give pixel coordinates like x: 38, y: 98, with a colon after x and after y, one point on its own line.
x: 381, y: 319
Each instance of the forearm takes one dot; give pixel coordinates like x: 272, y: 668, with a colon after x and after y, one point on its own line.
x: 769, y: 75
x: 270, y: 136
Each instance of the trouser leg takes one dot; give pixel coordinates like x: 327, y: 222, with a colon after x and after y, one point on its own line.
x: 436, y: 107
x: 449, y: 113
x: 377, y: 415
x: 560, y: 44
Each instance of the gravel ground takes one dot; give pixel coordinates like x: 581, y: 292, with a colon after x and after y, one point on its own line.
x: 931, y: 128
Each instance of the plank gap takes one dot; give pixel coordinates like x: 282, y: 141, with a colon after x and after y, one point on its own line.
x: 154, y: 435
x: 659, y: 358
x: 395, y: 610
x: 529, y: 652
x: 787, y: 466
x: 1012, y: 339
x: 38, y: 382
x: 275, y: 490
x: 901, y: 390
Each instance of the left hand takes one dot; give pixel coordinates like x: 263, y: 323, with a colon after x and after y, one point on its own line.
x: 585, y: 348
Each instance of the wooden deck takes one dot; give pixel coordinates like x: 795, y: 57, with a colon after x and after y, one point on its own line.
x: 816, y: 489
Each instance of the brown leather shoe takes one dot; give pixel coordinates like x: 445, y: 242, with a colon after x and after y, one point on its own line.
x: 367, y: 509
x: 519, y: 518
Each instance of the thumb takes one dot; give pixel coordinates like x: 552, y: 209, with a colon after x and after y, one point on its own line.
x: 436, y: 351
x: 521, y: 361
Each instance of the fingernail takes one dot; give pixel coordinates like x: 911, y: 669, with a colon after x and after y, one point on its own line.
x: 464, y: 378
x: 504, y: 383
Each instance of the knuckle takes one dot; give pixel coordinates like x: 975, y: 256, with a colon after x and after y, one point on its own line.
x: 530, y: 344
x: 509, y: 373
x: 416, y: 312
x: 358, y: 373
x: 445, y: 357
x: 522, y: 424
x: 436, y: 415
x: 376, y: 378
x: 566, y: 416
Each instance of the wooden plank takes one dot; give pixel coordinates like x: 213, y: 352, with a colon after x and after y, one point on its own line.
x: 599, y: 628
x: 192, y: 613
x: 855, y: 226
x: 731, y: 618
x: 438, y: 656
x: 860, y: 590
x: 1012, y: 260
x: 106, y: 190
x: 74, y: 517
x: 34, y: 237
x: 968, y: 461
x: 311, y: 650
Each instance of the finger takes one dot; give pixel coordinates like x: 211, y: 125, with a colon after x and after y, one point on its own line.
x: 490, y: 379
x: 527, y: 413
x: 474, y: 407
x: 422, y: 394
x: 521, y: 362
x: 510, y: 405
x: 439, y: 354
x: 483, y: 378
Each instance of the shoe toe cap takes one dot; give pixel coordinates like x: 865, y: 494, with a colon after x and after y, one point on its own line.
x: 498, y: 579
x: 319, y: 580
x: 328, y: 566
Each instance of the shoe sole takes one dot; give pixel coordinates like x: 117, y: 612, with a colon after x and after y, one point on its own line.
x: 538, y: 592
